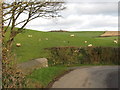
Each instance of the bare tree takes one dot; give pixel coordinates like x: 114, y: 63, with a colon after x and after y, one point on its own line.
x: 12, y: 11
x: 33, y: 9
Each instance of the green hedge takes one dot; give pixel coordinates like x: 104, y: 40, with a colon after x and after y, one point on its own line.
x: 84, y: 55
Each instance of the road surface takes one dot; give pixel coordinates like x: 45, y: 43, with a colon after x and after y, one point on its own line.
x: 90, y: 77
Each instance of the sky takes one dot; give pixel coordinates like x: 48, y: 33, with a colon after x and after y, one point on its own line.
x: 81, y: 15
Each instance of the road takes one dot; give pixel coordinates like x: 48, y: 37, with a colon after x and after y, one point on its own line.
x: 90, y: 77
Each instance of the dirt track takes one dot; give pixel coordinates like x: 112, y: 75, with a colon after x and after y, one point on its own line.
x: 90, y: 77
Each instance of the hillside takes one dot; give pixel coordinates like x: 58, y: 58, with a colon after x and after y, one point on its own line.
x: 33, y: 47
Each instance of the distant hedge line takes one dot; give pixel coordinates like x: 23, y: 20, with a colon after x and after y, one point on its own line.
x: 84, y: 55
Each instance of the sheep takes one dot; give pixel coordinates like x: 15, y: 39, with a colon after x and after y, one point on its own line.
x: 85, y: 41
x: 29, y: 35
x: 18, y: 44
x: 72, y: 35
x: 115, y: 41
x: 90, y: 45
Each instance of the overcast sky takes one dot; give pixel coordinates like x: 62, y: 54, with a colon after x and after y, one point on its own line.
x: 82, y: 15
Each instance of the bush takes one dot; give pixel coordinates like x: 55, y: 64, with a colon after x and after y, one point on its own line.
x: 83, y: 55
x: 11, y: 76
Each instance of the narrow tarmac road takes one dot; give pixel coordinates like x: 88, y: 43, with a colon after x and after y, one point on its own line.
x: 90, y: 77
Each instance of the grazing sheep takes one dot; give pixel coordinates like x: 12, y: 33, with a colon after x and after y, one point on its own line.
x: 72, y: 35
x: 29, y: 35
x: 85, y: 41
x: 115, y: 41
x: 90, y: 45
x: 18, y: 44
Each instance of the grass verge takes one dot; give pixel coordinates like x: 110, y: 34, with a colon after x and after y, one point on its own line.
x: 41, y: 78
x: 45, y: 77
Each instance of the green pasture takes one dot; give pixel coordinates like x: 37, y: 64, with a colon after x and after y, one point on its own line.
x: 33, y: 47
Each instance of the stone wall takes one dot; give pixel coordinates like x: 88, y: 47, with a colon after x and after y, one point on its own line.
x: 33, y: 64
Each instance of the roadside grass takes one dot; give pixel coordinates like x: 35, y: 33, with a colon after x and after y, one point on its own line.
x: 33, y: 47
x: 41, y: 78
x: 45, y: 75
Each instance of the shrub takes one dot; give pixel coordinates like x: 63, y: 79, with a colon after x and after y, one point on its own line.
x: 83, y: 55
x: 11, y: 76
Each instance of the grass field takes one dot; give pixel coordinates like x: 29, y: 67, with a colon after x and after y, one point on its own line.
x: 45, y: 75
x: 33, y: 47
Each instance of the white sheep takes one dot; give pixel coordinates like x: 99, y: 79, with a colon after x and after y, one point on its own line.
x: 90, y: 45
x: 29, y: 35
x: 85, y: 41
x: 115, y: 41
x: 72, y: 35
x: 18, y: 44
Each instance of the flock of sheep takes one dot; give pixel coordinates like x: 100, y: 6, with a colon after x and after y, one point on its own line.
x: 90, y: 45
x: 72, y: 35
